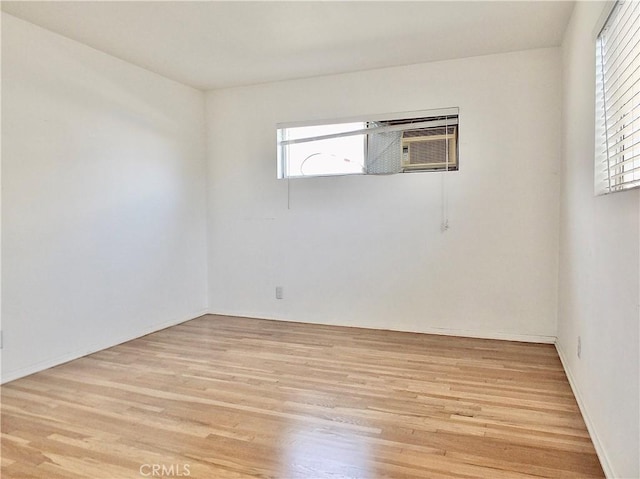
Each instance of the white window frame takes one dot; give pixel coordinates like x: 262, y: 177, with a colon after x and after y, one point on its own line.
x: 391, y: 122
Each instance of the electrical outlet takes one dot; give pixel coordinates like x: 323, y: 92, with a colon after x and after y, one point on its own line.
x: 279, y: 292
x: 579, y: 348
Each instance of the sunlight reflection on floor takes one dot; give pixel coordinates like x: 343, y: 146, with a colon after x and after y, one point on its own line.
x: 324, y: 453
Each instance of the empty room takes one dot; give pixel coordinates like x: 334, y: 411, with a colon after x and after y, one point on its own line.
x: 313, y: 240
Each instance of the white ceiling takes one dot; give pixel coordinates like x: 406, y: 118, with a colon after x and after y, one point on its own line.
x: 215, y: 44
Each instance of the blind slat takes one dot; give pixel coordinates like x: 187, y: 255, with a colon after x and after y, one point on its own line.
x: 621, y: 39
x: 630, y: 159
x: 614, y: 153
x: 613, y: 63
x: 626, y: 127
x: 612, y: 107
x: 623, y: 74
x: 619, y: 15
x: 627, y: 177
x: 627, y: 133
x: 626, y: 186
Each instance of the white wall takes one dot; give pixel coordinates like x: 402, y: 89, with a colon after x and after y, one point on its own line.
x: 103, y: 200
x: 368, y: 251
x: 599, y: 269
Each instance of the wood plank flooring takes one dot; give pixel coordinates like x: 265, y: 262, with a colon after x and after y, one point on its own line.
x: 221, y: 397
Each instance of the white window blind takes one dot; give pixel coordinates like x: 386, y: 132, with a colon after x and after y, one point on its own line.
x: 617, y: 164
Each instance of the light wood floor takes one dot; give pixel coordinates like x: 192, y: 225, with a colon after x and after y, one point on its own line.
x: 221, y: 397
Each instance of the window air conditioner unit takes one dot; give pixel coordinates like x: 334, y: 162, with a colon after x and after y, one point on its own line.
x: 430, y: 149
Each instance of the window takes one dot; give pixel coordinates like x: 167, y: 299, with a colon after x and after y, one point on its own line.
x: 617, y: 165
x: 393, y: 143
x: 320, y: 150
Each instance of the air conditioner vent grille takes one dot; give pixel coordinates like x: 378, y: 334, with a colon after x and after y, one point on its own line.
x: 432, y: 148
x: 422, y: 152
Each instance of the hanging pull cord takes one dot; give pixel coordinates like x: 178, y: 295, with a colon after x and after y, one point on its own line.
x: 444, y: 225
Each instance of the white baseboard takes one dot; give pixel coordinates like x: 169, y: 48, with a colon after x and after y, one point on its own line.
x: 600, y: 451
x: 95, y: 347
x: 99, y: 346
x: 467, y: 333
